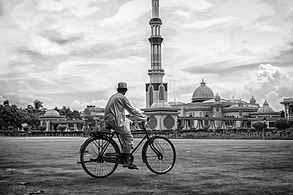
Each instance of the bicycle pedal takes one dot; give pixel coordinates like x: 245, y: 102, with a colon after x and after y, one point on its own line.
x: 133, y: 167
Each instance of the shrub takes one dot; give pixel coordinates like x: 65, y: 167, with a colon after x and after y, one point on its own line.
x: 281, y: 124
x: 260, y: 126
x: 26, y: 128
x: 61, y: 127
x: 42, y: 128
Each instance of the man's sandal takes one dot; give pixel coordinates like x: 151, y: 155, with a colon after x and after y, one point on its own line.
x: 132, y: 166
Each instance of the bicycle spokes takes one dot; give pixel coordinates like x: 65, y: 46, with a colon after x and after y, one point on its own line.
x: 160, y: 155
x: 95, y: 159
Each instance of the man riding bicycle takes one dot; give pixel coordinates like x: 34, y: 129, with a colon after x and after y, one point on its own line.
x: 115, y: 117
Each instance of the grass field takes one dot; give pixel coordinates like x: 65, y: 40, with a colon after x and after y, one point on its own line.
x: 47, y: 165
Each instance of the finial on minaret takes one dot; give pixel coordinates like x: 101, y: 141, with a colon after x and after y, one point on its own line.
x: 155, y: 9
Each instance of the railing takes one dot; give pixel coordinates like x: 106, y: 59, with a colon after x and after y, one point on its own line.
x: 41, y: 133
x: 199, y: 123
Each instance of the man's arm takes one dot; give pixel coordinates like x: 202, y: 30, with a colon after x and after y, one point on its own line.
x: 133, y: 111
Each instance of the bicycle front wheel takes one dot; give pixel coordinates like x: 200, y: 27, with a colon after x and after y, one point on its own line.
x: 159, y: 155
x: 92, y: 155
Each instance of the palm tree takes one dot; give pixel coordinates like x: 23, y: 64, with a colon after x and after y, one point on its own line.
x: 38, y: 104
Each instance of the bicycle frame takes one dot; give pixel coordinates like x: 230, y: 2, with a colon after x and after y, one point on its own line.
x: 146, y: 137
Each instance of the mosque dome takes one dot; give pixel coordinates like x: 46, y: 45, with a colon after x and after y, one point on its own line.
x: 52, y: 113
x: 202, y: 93
x: 265, y: 108
x: 160, y: 104
x: 252, y: 100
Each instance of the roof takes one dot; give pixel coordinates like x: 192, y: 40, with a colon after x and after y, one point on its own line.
x: 160, y: 104
x: 202, y: 93
x: 93, y: 111
x: 265, y: 108
x: 52, y: 114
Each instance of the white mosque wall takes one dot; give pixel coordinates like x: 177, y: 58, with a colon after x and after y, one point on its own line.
x: 163, y: 121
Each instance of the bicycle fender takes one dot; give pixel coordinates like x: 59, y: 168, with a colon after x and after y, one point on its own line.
x: 143, y: 153
x: 87, y: 140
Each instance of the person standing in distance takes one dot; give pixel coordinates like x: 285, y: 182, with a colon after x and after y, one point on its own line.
x: 115, y: 117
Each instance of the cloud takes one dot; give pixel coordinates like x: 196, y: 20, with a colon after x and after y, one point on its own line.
x: 1, y: 9
x: 24, y: 14
x: 210, y: 23
x: 127, y: 13
x: 80, y: 106
x: 1, y: 99
x: 270, y: 74
x: 270, y: 83
x: 290, y: 13
x: 76, y: 7
x: 34, y: 55
x: 59, y: 38
x: 61, y: 51
x: 189, y: 4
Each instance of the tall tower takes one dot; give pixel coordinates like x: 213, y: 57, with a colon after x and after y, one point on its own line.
x: 156, y: 89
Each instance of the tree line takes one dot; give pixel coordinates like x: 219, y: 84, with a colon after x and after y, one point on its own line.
x: 13, y: 117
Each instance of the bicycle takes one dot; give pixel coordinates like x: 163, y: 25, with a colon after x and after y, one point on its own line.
x: 100, y: 154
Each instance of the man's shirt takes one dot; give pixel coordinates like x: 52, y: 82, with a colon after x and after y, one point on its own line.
x: 115, y: 110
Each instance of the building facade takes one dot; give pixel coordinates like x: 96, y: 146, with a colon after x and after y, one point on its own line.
x: 52, y: 119
x: 207, y: 110
x: 288, y: 108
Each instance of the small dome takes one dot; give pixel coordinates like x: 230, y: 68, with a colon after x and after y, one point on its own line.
x: 252, y: 100
x: 51, y: 113
x: 160, y: 104
x: 265, y: 108
x: 202, y: 93
x: 217, y: 97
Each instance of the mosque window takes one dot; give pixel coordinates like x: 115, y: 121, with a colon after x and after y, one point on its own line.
x: 271, y: 124
x: 151, y: 95
x: 161, y: 92
x: 153, y: 122
x: 206, y: 122
x: 169, y: 122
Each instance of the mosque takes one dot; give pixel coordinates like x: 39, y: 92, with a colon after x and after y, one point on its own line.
x: 205, y: 110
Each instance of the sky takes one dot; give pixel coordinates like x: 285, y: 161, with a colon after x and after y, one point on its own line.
x: 74, y: 52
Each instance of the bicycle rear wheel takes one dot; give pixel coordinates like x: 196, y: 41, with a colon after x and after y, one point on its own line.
x: 159, y: 155
x: 92, y: 156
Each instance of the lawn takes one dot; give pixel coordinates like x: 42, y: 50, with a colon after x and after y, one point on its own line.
x: 48, y: 165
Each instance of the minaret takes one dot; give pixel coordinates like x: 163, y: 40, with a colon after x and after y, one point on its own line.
x: 156, y: 89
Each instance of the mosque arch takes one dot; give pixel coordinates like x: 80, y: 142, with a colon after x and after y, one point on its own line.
x: 151, y: 95
x: 161, y: 92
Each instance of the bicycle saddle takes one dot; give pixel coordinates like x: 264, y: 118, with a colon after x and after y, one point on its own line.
x: 96, y: 132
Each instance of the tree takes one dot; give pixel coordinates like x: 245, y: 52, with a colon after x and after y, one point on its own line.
x: 38, y: 105
x: 282, y: 124
x: 30, y: 108
x: 10, y: 116
x: 290, y: 124
x: 76, y: 114
x: 6, y: 103
x: 65, y: 111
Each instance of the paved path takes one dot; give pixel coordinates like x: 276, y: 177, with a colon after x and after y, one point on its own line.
x: 48, y: 166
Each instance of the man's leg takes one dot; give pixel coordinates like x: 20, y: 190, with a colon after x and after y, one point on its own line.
x: 127, y: 142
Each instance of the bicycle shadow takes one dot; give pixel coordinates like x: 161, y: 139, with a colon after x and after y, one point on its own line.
x: 124, y: 178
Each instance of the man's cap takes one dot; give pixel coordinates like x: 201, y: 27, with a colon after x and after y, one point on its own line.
x: 122, y: 85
